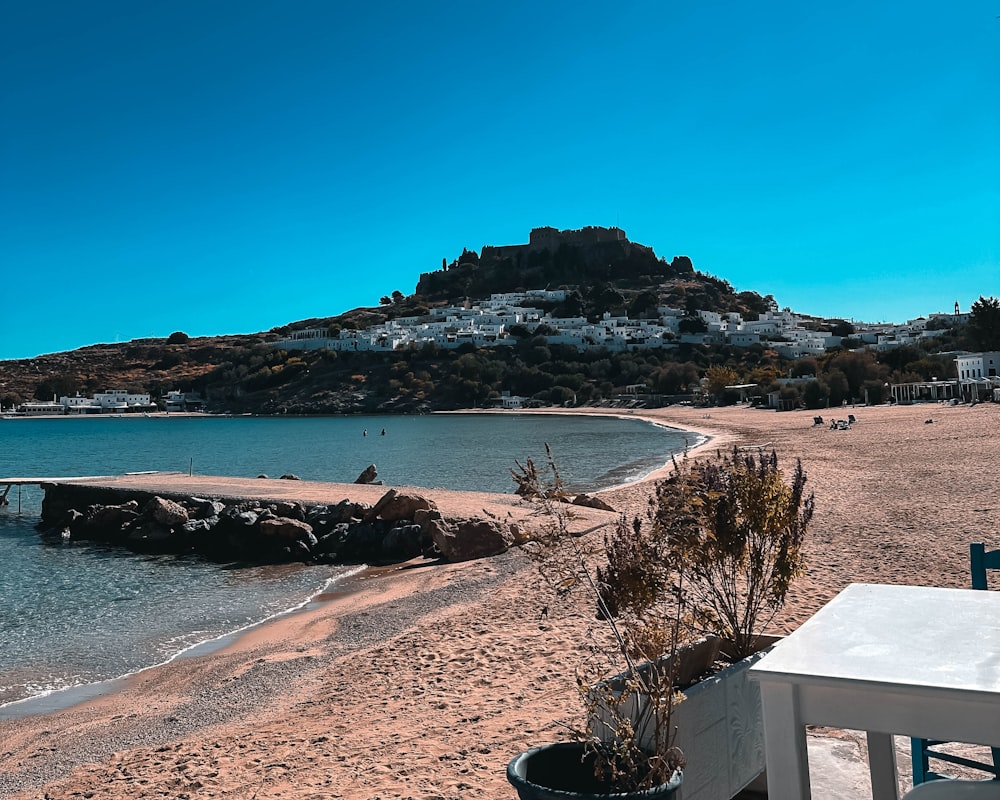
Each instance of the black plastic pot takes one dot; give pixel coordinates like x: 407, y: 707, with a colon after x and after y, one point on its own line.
x: 560, y: 771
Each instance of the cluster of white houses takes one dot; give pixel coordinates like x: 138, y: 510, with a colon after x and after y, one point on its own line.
x: 114, y: 401
x: 488, y: 323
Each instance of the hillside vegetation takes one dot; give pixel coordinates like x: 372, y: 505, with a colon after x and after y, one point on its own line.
x: 244, y: 374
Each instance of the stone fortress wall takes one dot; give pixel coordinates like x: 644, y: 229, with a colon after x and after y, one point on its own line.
x: 547, y: 238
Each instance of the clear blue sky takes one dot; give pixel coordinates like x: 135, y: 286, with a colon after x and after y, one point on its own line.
x: 228, y: 167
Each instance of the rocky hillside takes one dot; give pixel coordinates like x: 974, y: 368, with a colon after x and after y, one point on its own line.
x: 601, y: 270
x: 153, y: 365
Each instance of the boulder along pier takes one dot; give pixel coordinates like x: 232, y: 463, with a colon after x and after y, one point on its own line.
x: 263, y: 520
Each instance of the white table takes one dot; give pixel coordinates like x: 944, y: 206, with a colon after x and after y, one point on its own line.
x: 909, y: 660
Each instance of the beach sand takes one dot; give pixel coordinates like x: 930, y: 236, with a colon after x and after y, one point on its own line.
x: 423, y: 681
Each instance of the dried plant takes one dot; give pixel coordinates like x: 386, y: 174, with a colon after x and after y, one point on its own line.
x: 625, y: 679
x: 737, y: 526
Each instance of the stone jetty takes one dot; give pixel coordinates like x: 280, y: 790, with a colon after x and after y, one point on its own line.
x: 266, y: 520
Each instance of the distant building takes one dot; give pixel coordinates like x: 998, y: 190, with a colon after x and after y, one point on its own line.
x: 39, y: 408
x: 511, y: 401
x: 176, y: 401
x: 977, y: 365
x: 978, y: 375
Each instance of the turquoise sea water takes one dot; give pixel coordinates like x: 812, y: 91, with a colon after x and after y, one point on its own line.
x: 79, y: 613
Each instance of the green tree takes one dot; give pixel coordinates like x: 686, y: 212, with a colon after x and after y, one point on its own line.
x: 178, y: 337
x: 984, y: 323
x: 842, y: 328
x: 816, y: 394
x: 692, y: 324
x: 646, y: 301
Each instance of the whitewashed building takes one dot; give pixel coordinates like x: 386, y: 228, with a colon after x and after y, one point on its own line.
x: 978, y: 365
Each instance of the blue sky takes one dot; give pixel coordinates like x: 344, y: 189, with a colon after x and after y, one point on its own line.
x: 228, y: 167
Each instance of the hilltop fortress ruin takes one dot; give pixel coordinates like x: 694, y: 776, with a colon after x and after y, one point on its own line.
x: 551, y: 239
x: 547, y: 238
x: 551, y: 257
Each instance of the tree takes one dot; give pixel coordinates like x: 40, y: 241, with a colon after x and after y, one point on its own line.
x: 842, y: 328
x: 398, y: 297
x: 178, y: 337
x: 645, y: 301
x: 815, y: 395
x: 385, y: 300
x: 984, y: 323
x: 752, y: 303
x: 692, y: 324
x: 718, y: 378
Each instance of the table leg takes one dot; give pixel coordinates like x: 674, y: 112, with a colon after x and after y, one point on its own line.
x: 784, y: 743
x: 882, y: 763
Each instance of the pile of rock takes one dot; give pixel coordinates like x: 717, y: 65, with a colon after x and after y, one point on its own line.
x: 397, y: 528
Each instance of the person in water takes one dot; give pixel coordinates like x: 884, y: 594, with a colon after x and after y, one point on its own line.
x: 383, y: 431
x: 365, y: 433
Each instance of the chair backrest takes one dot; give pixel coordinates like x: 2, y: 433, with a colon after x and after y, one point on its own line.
x: 979, y: 561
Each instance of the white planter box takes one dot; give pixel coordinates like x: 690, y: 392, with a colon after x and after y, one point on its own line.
x: 720, y: 730
x: 719, y: 726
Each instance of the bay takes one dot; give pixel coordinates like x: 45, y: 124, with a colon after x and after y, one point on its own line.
x: 76, y: 614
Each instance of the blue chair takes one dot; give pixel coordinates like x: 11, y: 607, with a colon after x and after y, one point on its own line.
x: 980, y: 561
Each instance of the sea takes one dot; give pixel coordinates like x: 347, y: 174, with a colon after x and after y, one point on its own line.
x: 75, y: 615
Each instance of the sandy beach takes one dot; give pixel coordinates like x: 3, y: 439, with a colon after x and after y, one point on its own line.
x: 423, y: 681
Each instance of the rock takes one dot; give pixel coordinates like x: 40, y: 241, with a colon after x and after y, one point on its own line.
x: 468, y: 539
x: 203, y: 508
x: 166, y: 512
x: 71, y: 519
x: 404, y: 542
x: 289, y: 477
x: 262, y: 476
x: 57, y: 535
x: 368, y: 475
x: 345, y: 511
x: 290, y: 510
x: 520, y: 534
x: 424, y: 516
x: 362, y: 541
x: 591, y: 502
x: 383, y: 501
x: 393, y: 506
x: 243, y: 518
x: 285, y: 528
x: 299, y: 550
x: 109, y: 518
x: 152, y: 537
x: 197, y: 525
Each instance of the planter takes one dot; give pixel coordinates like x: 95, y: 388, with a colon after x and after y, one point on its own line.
x: 561, y: 771
x: 721, y: 731
x: 719, y: 725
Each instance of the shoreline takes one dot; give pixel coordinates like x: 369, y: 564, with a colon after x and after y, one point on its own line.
x: 71, y: 696
x: 79, y: 694
x: 425, y: 683
x: 707, y: 436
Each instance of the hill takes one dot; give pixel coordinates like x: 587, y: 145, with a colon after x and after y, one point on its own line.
x: 601, y: 271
